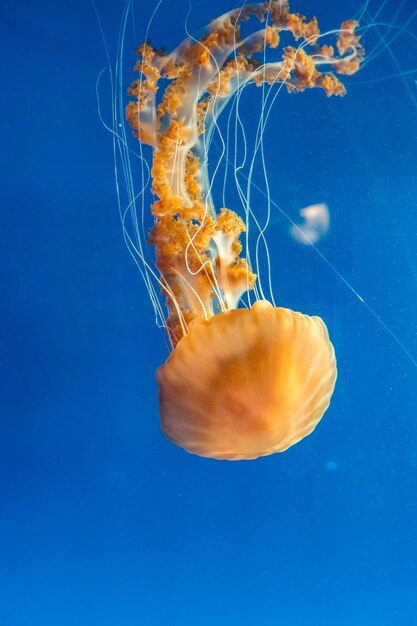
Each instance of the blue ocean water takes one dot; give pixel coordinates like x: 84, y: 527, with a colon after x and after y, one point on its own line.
x: 102, y: 520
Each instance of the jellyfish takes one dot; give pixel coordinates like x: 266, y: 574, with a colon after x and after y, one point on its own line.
x: 241, y: 380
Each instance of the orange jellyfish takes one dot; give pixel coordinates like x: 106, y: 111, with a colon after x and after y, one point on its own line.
x: 245, y: 382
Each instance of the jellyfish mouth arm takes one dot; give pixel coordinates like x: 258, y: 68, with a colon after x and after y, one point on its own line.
x: 216, y: 54
x: 199, y: 66
x: 202, y: 62
x: 194, y: 303
x: 232, y: 288
x: 197, y: 247
x: 206, y: 73
x: 297, y: 71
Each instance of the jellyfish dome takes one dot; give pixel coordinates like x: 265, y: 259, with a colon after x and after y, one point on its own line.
x: 247, y: 382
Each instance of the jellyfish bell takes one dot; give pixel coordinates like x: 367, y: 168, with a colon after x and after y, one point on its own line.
x: 247, y: 383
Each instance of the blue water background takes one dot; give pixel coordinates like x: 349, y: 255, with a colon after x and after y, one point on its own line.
x: 103, y: 522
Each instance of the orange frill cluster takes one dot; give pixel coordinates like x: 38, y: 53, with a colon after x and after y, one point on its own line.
x: 197, y: 249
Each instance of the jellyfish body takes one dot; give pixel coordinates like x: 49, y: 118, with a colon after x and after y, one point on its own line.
x: 240, y: 382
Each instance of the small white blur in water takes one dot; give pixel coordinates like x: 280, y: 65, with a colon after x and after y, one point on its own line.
x: 315, y: 225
